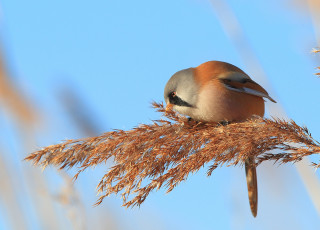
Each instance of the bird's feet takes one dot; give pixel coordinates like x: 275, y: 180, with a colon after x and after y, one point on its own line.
x: 224, y: 123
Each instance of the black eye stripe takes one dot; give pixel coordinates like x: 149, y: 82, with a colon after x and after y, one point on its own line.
x: 175, y: 100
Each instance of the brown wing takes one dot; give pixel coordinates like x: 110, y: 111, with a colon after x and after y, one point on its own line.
x: 243, y: 83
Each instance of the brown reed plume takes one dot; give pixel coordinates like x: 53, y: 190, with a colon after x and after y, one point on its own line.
x: 317, y: 51
x: 164, y: 153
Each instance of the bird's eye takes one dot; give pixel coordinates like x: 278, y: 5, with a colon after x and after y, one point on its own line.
x: 173, y: 94
x: 176, y: 100
x: 173, y: 97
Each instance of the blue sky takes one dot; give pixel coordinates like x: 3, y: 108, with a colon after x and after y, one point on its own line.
x: 118, y: 55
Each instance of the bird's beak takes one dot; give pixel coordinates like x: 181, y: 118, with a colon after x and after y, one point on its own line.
x: 169, y: 107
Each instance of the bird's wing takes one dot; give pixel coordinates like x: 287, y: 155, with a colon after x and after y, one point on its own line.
x: 240, y: 82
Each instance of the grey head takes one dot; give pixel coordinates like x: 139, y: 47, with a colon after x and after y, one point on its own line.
x: 181, y: 90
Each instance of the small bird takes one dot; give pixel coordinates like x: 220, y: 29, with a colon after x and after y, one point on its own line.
x: 217, y: 91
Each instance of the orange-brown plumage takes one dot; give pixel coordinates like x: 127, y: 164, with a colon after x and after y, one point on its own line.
x: 224, y: 103
x: 228, y: 105
x: 208, y: 70
x: 218, y: 91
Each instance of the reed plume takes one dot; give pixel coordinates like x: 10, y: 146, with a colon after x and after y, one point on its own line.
x: 164, y: 153
x: 316, y: 51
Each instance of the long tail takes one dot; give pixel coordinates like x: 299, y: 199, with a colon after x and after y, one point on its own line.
x: 252, y: 184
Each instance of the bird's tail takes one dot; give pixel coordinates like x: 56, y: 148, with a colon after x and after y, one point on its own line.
x: 252, y: 184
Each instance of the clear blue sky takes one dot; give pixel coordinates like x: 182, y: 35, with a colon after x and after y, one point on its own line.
x: 118, y: 55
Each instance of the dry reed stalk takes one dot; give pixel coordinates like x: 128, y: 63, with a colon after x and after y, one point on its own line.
x: 26, y: 116
x: 234, y: 31
x: 73, y: 205
x: 38, y: 186
x: 78, y: 111
x: 12, y: 97
x: 10, y: 187
x: 314, y: 9
x: 164, y: 153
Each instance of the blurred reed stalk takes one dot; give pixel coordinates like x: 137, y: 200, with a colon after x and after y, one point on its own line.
x: 314, y: 9
x: 72, y: 203
x: 79, y: 112
x: 26, y: 117
x: 234, y: 32
x: 8, y: 195
x: 84, y: 119
x: 12, y: 99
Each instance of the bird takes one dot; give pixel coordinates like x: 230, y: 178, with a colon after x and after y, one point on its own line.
x: 217, y: 91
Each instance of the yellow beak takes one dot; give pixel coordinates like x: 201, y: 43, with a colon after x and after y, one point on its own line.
x: 169, y: 107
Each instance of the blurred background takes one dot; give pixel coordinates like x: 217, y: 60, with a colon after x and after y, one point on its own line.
x: 71, y: 69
